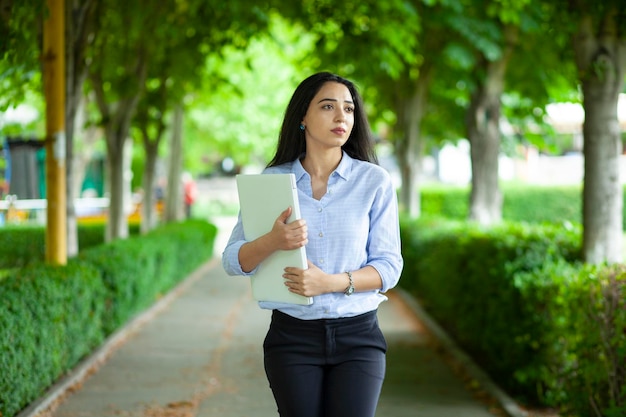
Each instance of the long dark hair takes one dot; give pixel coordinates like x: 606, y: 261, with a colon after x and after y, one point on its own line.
x: 291, y: 143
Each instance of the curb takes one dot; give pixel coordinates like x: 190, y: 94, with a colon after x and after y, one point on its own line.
x: 503, y: 399
x: 72, y: 380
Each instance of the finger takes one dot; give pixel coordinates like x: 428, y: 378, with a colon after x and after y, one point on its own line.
x: 284, y: 215
x: 298, y: 224
x: 292, y: 270
x: 290, y: 286
x: 295, y: 230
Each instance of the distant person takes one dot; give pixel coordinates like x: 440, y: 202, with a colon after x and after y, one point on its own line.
x: 328, y: 359
x: 190, y: 193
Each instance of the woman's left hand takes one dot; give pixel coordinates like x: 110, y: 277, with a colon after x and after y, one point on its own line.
x: 309, y: 282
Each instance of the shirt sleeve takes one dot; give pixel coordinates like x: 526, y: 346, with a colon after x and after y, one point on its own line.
x: 383, y: 246
x: 230, y: 256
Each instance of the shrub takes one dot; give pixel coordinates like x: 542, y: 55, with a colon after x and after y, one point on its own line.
x: 464, y: 275
x: 23, y: 245
x: 52, y: 316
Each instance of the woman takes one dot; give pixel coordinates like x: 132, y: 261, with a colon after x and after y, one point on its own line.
x: 327, y: 359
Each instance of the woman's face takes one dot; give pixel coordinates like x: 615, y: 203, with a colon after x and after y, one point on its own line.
x: 330, y: 116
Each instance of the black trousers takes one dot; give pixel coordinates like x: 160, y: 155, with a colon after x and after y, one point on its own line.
x: 325, y: 368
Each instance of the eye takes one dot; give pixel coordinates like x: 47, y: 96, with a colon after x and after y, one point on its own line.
x: 349, y: 109
x: 327, y: 106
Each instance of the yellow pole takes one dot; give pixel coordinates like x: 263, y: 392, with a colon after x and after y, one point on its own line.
x: 54, y: 89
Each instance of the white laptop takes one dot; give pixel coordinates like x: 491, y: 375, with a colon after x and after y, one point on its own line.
x: 262, y: 197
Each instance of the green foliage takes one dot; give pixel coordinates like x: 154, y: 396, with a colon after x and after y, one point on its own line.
x: 555, y: 204
x: 20, y: 31
x: 361, y: 38
x: 600, y: 371
x: 518, y: 299
x: 239, y: 111
x: 29, y: 123
x: 531, y: 204
x: 23, y: 245
x: 448, y: 202
x: 585, y: 370
x: 137, y: 270
x: 51, y: 317
x: 187, y: 33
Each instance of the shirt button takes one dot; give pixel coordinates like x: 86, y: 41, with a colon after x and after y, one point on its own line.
x: 321, y: 234
x: 321, y: 261
x: 319, y: 210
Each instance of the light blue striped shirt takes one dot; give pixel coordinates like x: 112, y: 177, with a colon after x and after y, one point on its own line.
x: 353, y: 225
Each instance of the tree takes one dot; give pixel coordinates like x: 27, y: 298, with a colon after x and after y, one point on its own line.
x: 117, y: 74
x: 174, y: 70
x: 490, y: 31
x: 150, y: 122
x: 21, y: 29
x: 237, y: 111
x: 483, y: 131
x: 412, y: 92
x: 600, y: 54
x: 79, y: 27
x: 175, y: 74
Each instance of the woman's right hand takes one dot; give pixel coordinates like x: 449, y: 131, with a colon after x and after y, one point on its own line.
x: 287, y: 236
x: 283, y: 236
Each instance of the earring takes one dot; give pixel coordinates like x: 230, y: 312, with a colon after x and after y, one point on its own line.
x: 301, y: 126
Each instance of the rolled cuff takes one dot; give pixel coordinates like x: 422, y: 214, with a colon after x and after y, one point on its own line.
x: 230, y: 260
x: 389, y: 273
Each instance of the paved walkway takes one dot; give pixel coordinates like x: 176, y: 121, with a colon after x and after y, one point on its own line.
x: 198, y: 353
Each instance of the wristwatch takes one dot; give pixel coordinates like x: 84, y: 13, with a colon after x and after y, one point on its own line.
x: 350, y: 289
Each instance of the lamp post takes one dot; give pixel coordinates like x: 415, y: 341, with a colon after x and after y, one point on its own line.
x: 54, y: 90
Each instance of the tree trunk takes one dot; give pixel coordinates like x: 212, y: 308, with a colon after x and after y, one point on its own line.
x: 409, y: 152
x: 601, y: 61
x: 483, y: 133
x: 409, y: 164
x: 174, y: 194
x: 148, y: 211
x: 88, y: 136
x: 118, y: 117
x: 117, y: 136
x: 71, y: 76
x: 117, y: 224
x: 484, y: 137
x: 79, y: 18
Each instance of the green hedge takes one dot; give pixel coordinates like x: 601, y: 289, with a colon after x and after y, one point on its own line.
x: 515, y: 298
x: 23, y: 245
x: 529, y: 204
x: 51, y: 317
x: 581, y: 310
x: 135, y: 274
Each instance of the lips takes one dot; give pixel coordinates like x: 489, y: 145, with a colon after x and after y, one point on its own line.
x: 339, y: 131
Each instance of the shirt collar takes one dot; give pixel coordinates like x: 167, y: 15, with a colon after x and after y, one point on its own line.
x: 345, y: 166
x: 343, y: 169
